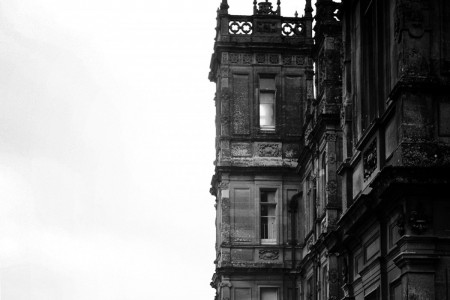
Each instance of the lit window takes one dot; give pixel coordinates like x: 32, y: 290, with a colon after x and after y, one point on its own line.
x: 267, y: 293
x: 267, y: 103
x: 268, y: 217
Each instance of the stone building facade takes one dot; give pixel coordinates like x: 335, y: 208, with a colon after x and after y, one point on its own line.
x: 341, y: 192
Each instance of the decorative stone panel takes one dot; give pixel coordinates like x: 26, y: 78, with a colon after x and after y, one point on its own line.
x: 269, y: 149
x: 370, y: 159
x: 269, y: 254
x: 241, y: 149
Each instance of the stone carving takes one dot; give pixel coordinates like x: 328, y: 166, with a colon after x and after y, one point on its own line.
x: 269, y: 150
x: 331, y: 158
x: 331, y: 187
x: 287, y: 60
x: 225, y: 72
x: 333, y: 276
x: 310, y: 242
x: 269, y: 254
x: 299, y: 60
x: 401, y: 224
x: 274, y: 59
x: 247, y: 59
x: 224, y: 185
x: 224, y: 57
x: 345, y: 271
x: 370, y: 160
x: 241, y: 150
x: 292, y: 29
x: 265, y: 8
x: 260, y: 58
x: 235, y: 27
x: 241, y: 240
x: 418, y: 220
x: 331, y: 137
x: 266, y: 27
x: 409, y: 16
x: 234, y: 58
x: 291, y: 151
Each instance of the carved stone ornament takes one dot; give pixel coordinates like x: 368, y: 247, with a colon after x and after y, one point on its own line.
x: 401, y: 224
x: 247, y: 59
x: 310, y: 242
x: 236, y: 27
x: 345, y: 273
x: 410, y: 17
x: 226, y: 284
x: 224, y: 57
x: 269, y: 150
x: 234, y: 58
x: 274, y: 59
x: 331, y: 137
x: 265, y: 8
x: 260, y: 58
x: 241, y: 150
x: 333, y: 276
x: 269, y: 254
x: 299, y: 60
x: 291, y: 151
x: 418, y: 221
x: 287, y: 60
x: 370, y: 160
x: 331, y: 187
x: 223, y: 185
x: 266, y: 27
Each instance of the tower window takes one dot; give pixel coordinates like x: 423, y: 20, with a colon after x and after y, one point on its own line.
x: 267, y: 103
x: 268, y: 217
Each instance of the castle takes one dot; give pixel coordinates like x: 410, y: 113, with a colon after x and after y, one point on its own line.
x: 333, y: 151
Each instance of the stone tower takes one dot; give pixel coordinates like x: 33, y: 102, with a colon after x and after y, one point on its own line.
x: 263, y: 71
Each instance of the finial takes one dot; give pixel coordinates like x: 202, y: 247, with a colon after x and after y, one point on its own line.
x: 308, y: 9
x: 255, y: 9
x: 224, y: 5
x: 279, y: 7
x: 296, y: 14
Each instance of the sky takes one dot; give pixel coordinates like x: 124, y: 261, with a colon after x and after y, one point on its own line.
x: 107, y: 148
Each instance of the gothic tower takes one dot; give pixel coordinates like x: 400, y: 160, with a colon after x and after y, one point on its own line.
x: 263, y: 71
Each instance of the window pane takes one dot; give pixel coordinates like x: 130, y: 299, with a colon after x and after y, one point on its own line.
x: 267, y: 196
x: 267, y: 98
x: 267, y: 83
x: 269, y: 294
x: 264, y: 228
x: 266, y: 115
x: 271, y: 228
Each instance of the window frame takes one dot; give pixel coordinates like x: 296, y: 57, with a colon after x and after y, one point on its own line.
x: 267, y: 91
x: 274, y: 204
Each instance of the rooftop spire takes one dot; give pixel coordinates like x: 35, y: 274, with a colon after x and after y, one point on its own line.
x: 308, y: 9
x: 224, y: 7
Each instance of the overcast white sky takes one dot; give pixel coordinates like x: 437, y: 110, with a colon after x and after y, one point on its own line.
x: 107, y: 148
